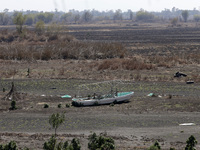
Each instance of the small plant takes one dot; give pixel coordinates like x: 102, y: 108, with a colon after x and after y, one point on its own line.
x: 174, y: 21
x: 171, y: 148
x: 75, y: 144
x: 155, y: 146
x: 13, y: 105
x: 100, y: 142
x: 46, y: 106
x: 28, y: 72
x: 50, y: 145
x: 67, y: 105
x: 191, y: 142
x: 59, y: 105
x: 4, y: 89
x: 10, y: 146
x: 170, y: 96
x: 53, y: 145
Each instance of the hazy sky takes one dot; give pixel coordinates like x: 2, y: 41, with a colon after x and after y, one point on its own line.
x: 124, y: 5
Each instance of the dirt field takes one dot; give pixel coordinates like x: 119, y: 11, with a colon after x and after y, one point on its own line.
x: 134, y: 125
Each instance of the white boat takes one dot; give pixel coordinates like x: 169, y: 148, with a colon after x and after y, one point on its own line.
x: 101, y: 100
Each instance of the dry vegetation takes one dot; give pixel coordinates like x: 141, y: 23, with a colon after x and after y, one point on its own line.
x: 96, y: 59
x: 53, y: 46
x: 139, y: 53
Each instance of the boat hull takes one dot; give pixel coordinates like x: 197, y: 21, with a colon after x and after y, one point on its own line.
x: 122, y: 97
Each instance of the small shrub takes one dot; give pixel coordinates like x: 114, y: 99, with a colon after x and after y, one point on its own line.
x: 174, y: 21
x: 67, y: 105
x: 155, y: 146
x: 65, y: 145
x: 10, y: 146
x: 59, y: 105
x: 50, y: 145
x: 13, y: 105
x: 46, y: 106
x: 47, y: 54
x: 105, y: 65
x: 53, y: 145
x: 170, y: 96
x: 75, y: 144
x: 100, y: 142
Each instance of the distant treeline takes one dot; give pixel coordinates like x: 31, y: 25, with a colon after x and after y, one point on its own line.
x: 91, y: 16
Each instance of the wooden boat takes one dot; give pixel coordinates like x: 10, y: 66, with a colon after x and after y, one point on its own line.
x: 101, y: 100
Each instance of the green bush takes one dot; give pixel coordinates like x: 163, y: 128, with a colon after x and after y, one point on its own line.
x: 10, y: 146
x: 75, y: 144
x: 100, y: 142
x: 59, y: 105
x: 46, y: 106
x: 191, y: 142
x: 53, y: 145
x: 155, y: 146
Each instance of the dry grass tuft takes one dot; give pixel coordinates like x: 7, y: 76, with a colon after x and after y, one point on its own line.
x: 134, y: 63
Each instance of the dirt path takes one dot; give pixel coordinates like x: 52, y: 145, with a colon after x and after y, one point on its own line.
x: 133, y: 130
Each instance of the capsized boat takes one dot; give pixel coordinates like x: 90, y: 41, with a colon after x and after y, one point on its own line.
x: 104, y: 99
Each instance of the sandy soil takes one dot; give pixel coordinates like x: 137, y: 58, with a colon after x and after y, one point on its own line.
x: 134, y: 125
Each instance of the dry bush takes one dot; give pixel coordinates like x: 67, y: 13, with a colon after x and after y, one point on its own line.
x: 138, y: 77
x: 126, y: 64
x: 193, y: 58
x: 15, y: 52
x: 106, y: 64
x: 167, y: 61
x: 195, y: 77
x: 55, y: 46
x: 136, y: 64
x: 60, y: 50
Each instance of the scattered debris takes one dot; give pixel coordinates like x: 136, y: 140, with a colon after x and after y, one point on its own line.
x: 187, y: 124
x: 41, y: 103
x: 190, y: 82
x: 151, y: 95
x: 66, y: 96
x: 178, y: 74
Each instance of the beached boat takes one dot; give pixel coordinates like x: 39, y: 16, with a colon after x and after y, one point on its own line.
x: 104, y: 99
